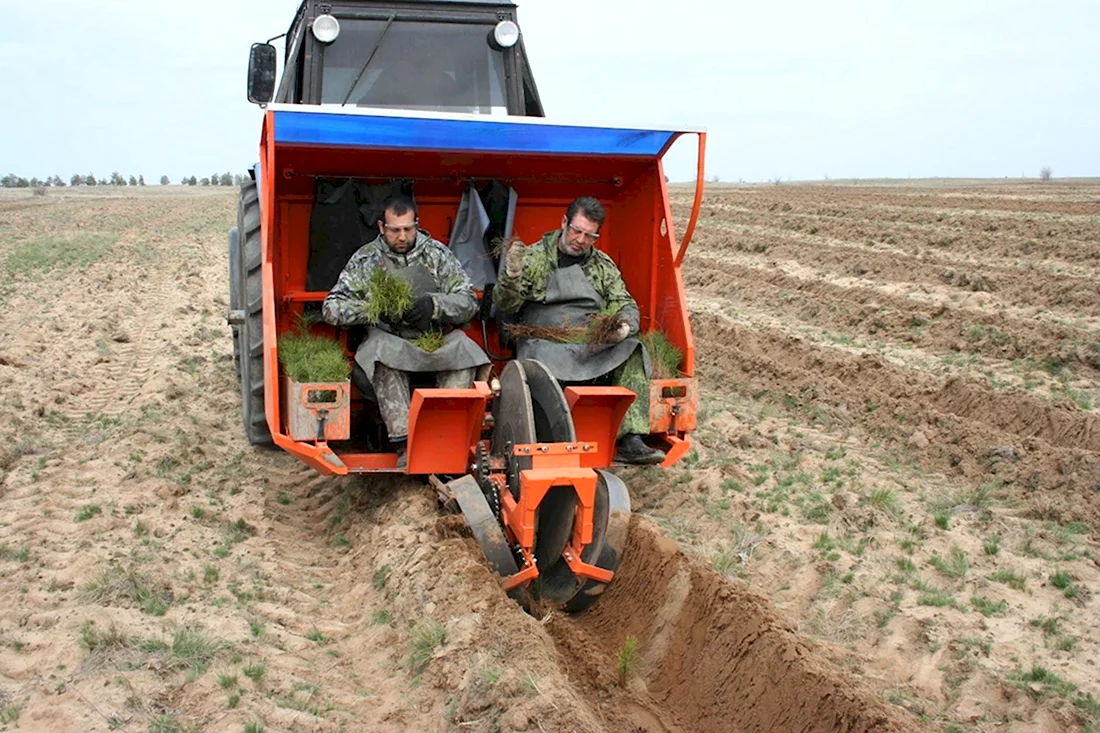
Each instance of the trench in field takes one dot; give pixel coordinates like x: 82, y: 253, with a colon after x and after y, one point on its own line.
x: 711, y: 656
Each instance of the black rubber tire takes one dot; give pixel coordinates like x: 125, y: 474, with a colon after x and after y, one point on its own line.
x: 250, y: 291
x: 235, y: 294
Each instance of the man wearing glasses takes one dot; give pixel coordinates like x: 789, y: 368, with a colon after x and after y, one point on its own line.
x: 443, y: 298
x: 563, y: 280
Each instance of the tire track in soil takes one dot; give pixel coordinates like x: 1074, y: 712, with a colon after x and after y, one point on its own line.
x: 983, y: 435
x: 714, y: 656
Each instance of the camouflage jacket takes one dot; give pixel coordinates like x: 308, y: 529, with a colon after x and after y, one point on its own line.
x: 454, y: 303
x: 541, y: 259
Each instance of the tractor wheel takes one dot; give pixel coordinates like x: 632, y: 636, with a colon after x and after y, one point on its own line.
x: 251, y: 334
x: 235, y: 294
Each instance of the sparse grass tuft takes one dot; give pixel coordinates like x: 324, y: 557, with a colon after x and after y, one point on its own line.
x: 315, y: 635
x: 884, y: 500
x: 117, y: 585
x: 381, y: 576
x: 1010, y: 578
x: 626, y: 662
x: 255, y: 671
x: 426, y: 637
x: 992, y: 545
x: 87, y: 511
x: 164, y: 724
x: 381, y: 616
x: 9, y: 714
x: 1061, y: 580
x: 988, y: 607
x: 955, y: 565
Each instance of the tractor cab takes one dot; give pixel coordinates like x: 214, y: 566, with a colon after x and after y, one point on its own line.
x: 438, y: 55
x: 436, y: 100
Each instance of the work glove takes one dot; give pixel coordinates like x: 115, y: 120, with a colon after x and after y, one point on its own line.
x: 621, y: 332
x: 419, y: 314
x: 513, y: 261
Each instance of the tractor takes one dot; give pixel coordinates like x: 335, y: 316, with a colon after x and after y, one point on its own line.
x: 436, y: 98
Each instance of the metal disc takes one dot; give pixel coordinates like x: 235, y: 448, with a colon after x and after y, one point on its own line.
x: 553, y: 421
x: 514, y: 421
x: 611, y: 520
x: 553, y: 424
x: 485, y: 525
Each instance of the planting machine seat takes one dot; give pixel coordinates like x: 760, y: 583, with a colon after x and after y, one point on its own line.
x: 527, y: 459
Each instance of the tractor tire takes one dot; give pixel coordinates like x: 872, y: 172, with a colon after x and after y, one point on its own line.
x: 251, y: 335
x: 235, y: 294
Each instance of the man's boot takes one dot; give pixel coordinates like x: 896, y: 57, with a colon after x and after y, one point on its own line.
x: 632, y: 449
x: 400, y: 447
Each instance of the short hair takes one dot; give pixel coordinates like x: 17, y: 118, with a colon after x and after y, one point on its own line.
x: 399, y: 204
x: 590, y: 207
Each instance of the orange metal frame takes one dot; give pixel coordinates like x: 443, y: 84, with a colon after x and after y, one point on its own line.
x: 638, y: 234
x: 553, y: 464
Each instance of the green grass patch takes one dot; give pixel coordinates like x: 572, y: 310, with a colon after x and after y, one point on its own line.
x: 38, y: 256
x: 308, y: 357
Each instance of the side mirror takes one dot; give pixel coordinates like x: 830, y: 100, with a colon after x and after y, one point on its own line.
x: 261, y: 73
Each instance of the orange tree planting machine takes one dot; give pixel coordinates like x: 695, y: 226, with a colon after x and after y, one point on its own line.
x: 526, y: 460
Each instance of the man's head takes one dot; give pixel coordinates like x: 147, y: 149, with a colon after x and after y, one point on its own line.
x: 580, y: 227
x: 398, y: 223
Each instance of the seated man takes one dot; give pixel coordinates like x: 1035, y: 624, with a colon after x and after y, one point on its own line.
x: 443, y: 297
x: 561, y: 281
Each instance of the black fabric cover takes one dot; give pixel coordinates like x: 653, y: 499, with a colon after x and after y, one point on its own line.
x: 494, y: 197
x: 343, y: 220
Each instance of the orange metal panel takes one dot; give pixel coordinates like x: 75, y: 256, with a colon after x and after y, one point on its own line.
x: 676, y: 449
x: 444, y: 427
x: 597, y: 413
x: 319, y: 457
x: 672, y: 405
x: 268, y: 223
x: 699, y: 177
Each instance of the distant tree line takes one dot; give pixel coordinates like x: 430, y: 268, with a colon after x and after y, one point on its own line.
x: 116, y: 179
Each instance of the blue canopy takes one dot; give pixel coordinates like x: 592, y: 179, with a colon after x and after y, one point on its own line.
x: 408, y: 130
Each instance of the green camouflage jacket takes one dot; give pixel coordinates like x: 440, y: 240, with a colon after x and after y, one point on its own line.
x: 542, y: 258
x: 454, y: 303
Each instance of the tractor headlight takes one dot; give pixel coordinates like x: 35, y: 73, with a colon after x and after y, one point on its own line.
x: 326, y: 28
x: 506, y: 34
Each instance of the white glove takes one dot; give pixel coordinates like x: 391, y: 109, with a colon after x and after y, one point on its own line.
x: 513, y: 261
x: 622, y: 331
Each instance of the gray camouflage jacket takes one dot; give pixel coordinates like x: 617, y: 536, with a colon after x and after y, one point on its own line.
x: 454, y: 302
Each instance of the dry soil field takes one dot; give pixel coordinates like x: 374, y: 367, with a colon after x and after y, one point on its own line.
x: 888, y: 523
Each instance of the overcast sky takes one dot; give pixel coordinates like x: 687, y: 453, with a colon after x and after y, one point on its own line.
x: 791, y: 89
